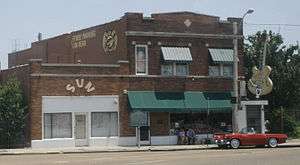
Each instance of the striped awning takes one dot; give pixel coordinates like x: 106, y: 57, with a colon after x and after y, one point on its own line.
x: 177, y: 54
x: 221, y: 55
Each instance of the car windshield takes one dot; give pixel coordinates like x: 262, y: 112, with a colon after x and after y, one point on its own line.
x: 247, y: 130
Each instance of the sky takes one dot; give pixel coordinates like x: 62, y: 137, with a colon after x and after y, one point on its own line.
x: 22, y: 20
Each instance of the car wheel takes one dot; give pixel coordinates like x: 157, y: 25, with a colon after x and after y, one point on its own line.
x: 235, y: 143
x: 272, y: 142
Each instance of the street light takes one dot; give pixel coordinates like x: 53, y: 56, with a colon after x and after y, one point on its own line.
x: 249, y: 11
x: 235, y: 72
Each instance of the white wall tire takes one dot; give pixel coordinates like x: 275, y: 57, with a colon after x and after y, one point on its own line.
x: 272, y: 142
x: 235, y: 143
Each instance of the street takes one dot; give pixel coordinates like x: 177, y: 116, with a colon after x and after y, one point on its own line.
x: 248, y: 156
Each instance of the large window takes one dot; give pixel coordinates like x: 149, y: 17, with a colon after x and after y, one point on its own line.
x: 174, y: 69
x: 57, y: 125
x: 104, y: 124
x: 221, y: 70
x: 141, y: 59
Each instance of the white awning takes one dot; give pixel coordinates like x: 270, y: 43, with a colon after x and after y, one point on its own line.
x: 221, y: 55
x: 179, y: 54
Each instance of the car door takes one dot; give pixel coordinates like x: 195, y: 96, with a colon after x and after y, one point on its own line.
x: 244, y: 138
x: 259, y: 139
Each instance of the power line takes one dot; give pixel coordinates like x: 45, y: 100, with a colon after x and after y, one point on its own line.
x: 272, y: 24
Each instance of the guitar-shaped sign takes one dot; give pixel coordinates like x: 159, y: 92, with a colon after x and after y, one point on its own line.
x: 260, y: 82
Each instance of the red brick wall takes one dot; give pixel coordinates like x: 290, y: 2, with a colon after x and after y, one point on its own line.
x: 19, y: 58
x: 43, y: 85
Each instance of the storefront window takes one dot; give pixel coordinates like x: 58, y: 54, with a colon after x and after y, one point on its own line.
x: 141, y: 59
x: 57, y: 125
x: 200, y: 122
x: 104, y: 124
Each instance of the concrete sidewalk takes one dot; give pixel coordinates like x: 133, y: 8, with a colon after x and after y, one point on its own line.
x: 29, y: 151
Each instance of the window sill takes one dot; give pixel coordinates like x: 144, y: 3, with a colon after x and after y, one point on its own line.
x: 114, y: 137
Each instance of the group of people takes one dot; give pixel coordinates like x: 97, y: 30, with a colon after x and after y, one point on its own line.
x: 186, y: 136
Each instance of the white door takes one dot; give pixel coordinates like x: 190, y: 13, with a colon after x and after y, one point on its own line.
x: 80, y: 130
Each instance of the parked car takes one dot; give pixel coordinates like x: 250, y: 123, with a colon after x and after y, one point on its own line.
x: 248, y: 137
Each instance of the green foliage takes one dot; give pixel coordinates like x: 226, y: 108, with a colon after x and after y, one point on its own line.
x: 12, y: 113
x: 285, y: 68
x: 285, y: 75
x: 279, y: 119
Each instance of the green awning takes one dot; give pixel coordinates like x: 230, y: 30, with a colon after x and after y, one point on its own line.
x: 177, y: 54
x: 190, y: 101
x: 221, y: 55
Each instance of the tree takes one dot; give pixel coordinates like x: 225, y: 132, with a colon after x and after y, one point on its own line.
x: 12, y: 113
x: 285, y: 64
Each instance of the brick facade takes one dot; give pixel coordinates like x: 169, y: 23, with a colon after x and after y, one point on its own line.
x: 113, y: 72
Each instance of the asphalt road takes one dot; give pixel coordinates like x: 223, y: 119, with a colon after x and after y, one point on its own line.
x: 250, y: 156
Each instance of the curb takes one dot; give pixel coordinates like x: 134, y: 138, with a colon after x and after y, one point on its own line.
x: 101, y: 151
x: 124, y: 150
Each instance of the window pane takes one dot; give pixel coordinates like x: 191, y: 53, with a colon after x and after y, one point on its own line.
x: 141, y: 66
x: 61, y: 125
x: 141, y: 59
x: 57, y: 125
x: 167, y: 70
x: 104, y: 124
x: 47, y: 125
x: 228, y: 70
x: 181, y: 69
x: 141, y: 53
x: 214, y: 70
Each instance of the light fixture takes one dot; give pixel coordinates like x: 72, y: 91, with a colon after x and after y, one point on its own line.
x: 249, y: 11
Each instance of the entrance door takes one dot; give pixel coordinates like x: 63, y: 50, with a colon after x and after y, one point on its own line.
x: 81, y: 129
x: 145, y: 135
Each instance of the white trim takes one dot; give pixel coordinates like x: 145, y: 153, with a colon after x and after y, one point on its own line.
x: 80, y: 65
x: 135, y: 59
x: 182, y: 35
x: 255, y: 102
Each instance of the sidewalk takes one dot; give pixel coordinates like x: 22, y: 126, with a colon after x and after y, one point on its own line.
x: 30, y: 151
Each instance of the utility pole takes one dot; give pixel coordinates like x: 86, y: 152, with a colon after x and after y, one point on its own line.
x: 235, y: 78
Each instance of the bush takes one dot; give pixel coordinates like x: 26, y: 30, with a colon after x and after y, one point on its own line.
x: 12, y: 113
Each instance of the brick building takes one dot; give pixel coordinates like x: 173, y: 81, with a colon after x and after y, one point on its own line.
x: 92, y: 86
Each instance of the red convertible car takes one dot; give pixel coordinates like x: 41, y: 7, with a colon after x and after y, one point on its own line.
x: 248, y: 137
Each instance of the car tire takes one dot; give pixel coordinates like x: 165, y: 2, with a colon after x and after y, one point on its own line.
x: 272, y: 142
x: 235, y: 143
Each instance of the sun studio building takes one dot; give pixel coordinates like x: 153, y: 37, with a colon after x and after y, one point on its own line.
x: 93, y: 87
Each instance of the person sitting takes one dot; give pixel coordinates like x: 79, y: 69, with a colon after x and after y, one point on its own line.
x: 181, y: 137
x: 191, y: 136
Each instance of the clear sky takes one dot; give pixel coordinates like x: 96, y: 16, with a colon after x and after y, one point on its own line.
x: 21, y: 20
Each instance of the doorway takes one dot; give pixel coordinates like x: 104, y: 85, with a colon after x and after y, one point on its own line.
x: 80, y: 130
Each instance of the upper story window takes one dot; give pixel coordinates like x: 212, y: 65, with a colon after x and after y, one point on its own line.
x: 176, y: 60
x: 221, y: 70
x: 141, y: 59
x: 174, y: 69
x: 221, y: 63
